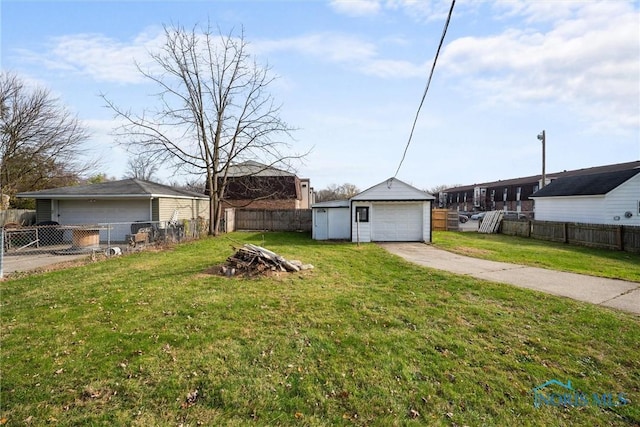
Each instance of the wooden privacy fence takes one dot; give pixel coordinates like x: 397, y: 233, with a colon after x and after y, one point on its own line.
x: 273, y: 220
x: 444, y: 220
x: 617, y: 237
x: 516, y: 228
x: 19, y: 216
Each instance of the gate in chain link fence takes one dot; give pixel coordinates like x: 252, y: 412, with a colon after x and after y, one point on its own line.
x: 26, y: 248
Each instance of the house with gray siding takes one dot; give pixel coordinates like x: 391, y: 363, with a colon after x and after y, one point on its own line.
x: 124, y: 201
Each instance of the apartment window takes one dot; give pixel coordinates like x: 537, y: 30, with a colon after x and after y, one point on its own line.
x: 362, y: 213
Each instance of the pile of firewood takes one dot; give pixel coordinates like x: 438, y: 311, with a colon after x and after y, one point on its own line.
x: 251, y: 260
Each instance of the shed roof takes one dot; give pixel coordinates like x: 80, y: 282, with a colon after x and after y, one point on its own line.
x: 392, y: 189
x: 586, y: 185
x: 126, y: 188
x: 332, y: 204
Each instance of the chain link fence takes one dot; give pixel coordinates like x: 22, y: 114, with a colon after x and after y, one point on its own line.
x: 24, y: 248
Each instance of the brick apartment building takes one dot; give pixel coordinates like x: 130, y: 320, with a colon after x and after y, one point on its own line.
x: 511, y: 194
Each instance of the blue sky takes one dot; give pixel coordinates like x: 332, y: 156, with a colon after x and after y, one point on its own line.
x: 351, y: 74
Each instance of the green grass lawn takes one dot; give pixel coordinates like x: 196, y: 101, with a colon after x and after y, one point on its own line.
x: 538, y: 253
x: 363, y: 339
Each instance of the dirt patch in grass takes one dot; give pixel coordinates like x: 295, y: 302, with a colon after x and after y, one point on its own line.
x: 472, y: 251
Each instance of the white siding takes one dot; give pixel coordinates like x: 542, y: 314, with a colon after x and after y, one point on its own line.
x: 585, y: 209
x: 426, y: 220
x: 624, y: 198
x: 602, y: 209
x: 339, y: 223
x: 360, y: 232
x: 331, y: 223
x: 187, y: 208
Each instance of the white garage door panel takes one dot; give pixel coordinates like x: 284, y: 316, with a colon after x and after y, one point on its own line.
x: 104, y: 211
x: 397, y: 222
x: 85, y: 212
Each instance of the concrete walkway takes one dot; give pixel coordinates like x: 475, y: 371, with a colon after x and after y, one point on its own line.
x: 613, y: 293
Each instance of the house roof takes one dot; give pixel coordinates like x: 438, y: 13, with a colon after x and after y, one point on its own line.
x: 126, y: 188
x: 255, y: 169
x: 553, y: 175
x: 586, y: 185
x: 392, y: 189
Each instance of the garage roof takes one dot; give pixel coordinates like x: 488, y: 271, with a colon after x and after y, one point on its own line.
x: 392, y: 189
x: 126, y: 188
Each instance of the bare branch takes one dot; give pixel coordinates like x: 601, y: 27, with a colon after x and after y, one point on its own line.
x: 42, y: 144
x: 213, y: 110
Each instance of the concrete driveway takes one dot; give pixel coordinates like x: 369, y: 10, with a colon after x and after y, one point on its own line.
x: 613, y: 293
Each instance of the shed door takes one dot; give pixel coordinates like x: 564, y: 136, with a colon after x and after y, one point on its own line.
x: 397, y: 222
x: 321, y: 225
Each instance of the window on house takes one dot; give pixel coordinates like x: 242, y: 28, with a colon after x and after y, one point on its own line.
x: 362, y: 213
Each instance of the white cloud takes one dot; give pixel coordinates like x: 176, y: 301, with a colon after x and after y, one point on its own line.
x: 419, y: 10
x: 347, y: 50
x: 333, y: 47
x: 356, y: 7
x: 588, y: 59
x: 101, y: 58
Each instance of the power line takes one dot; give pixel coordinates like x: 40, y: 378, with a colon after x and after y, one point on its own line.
x: 426, y: 89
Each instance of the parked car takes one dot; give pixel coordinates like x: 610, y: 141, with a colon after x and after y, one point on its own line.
x: 478, y: 215
x: 463, y: 218
x: 513, y: 215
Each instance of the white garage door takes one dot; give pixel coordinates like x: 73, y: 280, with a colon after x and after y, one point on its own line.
x: 397, y: 222
x: 105, y: 211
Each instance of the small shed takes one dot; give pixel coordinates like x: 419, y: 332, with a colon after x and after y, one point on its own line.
x: 602, y: 198
x: 331, y: 220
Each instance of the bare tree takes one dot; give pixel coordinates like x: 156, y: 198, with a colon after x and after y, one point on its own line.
x: 42, y: 142
x: 139, y: 166
x: 337, y: 192
x: 214, y: 110
x: 438, y: 188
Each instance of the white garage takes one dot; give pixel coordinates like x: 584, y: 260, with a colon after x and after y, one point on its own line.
x: 392, y: 211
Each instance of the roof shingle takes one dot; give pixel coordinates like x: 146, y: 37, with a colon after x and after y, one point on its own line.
x: 586, y: 185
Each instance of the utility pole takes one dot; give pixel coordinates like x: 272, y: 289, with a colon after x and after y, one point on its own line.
x: 542, y: 137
